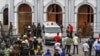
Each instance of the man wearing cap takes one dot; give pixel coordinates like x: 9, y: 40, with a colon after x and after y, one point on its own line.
x: 35, y: 42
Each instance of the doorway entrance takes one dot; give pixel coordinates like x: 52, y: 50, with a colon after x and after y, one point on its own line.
x: 85, y: 19
x: 54, y: 13
x: 24, y: 17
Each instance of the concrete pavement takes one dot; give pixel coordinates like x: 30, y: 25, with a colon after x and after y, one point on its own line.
x: 51, y: 47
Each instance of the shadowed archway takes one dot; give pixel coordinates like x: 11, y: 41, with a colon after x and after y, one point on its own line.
x: 54, y: 13
x: 24, y: 17
x: 85, y: 19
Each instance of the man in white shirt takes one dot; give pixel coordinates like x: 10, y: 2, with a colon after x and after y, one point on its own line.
x: 86, y: 49
x: 58, y: 46
x: 75, y: 43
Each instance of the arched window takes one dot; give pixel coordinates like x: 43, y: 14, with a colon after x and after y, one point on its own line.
x: 5, y: 16
x: 54, y: 13
x: 24, y: 17
x: 85, y: 19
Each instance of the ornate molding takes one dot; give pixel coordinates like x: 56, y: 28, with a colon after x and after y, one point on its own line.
x: 23, y: 1
x: 85, y: 1
x: 53, y: 1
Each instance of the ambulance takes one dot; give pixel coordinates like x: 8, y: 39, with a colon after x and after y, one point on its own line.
x: 50, y: 30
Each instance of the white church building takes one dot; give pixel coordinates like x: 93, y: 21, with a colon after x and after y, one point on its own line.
x: 79, y: 13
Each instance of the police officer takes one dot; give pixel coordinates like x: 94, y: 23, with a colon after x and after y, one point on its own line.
x: 10, y: 29
x: 34, y: 29
x: 39, y: 30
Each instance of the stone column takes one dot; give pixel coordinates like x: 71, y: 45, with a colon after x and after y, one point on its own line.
x: 66, y: 19
x: 41, y: 11
x: 69, y: 7
x: 35, y: 11
x: 38, y: 8
x: 72, y: 14
x: 11, y: 14
x: 11, y: 11
x: 97, y: 20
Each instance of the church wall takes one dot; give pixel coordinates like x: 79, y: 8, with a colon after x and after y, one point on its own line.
x: 77, y: 2
x: 31, y: 1
x: 46, y: 2
x: 3, y: 5
x: 16, y: 2
x: 62, y: 2
x: 69, y: 7
x: 93, y: 2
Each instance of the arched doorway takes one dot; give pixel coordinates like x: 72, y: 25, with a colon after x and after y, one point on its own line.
x: 24, y: 17
x: 54, y: 13
x: 85, y: 19
x: 5, y: 16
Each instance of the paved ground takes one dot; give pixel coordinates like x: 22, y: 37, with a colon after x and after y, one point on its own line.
x: 45, y: 47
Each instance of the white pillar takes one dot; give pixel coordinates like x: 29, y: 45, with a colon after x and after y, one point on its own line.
x: 11, y: 11
x: 72, y: 14
x: 66, y: 19
x: 11, y: 14
x: 38, y: 8
x: 97, y: 19
x: 35, y: 11
x: 41, y: 11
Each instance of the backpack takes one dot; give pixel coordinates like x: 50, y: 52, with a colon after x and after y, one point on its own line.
x: 24, y: 48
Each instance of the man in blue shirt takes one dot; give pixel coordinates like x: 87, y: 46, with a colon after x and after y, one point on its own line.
x: 97, y: 48
x: 47, y: 53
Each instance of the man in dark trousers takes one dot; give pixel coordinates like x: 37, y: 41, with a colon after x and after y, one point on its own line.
x: 34, y: 29
x: 75, y: 43
x: 10, y: 29
x: 90, y: 42
x: 35, y: 42
x: 70, y: 30
x: 97, y: 48
x: 39, y: 30
x: 69, y: 41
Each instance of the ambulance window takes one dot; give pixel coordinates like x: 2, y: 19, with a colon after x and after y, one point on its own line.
x: 52, y: 30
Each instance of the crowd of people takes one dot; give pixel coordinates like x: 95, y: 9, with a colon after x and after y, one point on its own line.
x: 28, y: 45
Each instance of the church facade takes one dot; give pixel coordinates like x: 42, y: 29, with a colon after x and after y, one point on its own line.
x: 82, y: 14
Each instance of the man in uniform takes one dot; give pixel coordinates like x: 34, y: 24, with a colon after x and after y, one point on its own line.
x: 39, y: 30
x: 34, y: 29
x: 10, y: 29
